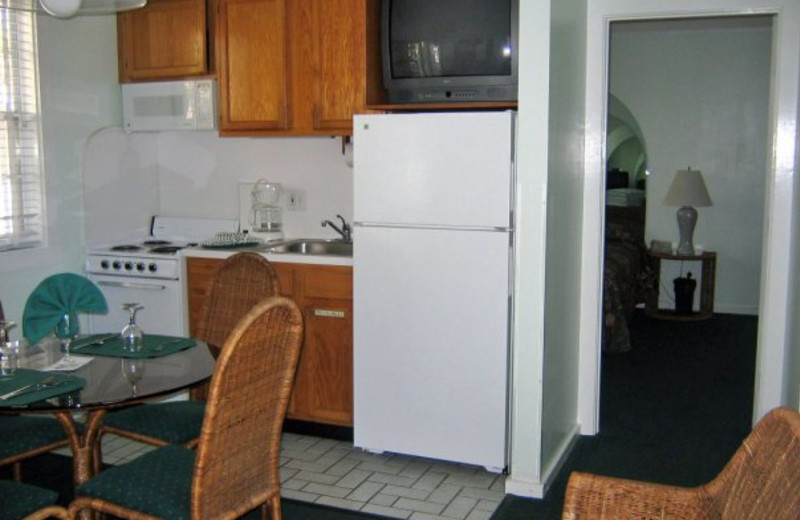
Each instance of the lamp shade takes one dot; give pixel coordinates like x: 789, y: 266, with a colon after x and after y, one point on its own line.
x: 688, y: 189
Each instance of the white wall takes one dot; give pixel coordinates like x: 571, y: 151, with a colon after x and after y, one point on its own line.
x: 197, y: 174
x: 528, y: 327
x: 699, y: 90
x: 563, y: 260
x: 793, y: 357
x: 776, y: 345
x: 79, y: 93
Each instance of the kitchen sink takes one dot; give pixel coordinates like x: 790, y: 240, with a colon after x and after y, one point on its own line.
x: 314, y: 246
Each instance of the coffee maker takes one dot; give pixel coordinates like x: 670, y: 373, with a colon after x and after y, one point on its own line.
x: 266, y: 216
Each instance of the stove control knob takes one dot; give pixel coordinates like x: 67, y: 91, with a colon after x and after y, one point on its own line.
x: 152, y: 267
x: 105, y: 264
x: 117, y: 265
x: 129, y: 266
x: 140, y: 267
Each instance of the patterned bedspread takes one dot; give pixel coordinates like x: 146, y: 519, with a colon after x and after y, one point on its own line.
x: 626, y: 277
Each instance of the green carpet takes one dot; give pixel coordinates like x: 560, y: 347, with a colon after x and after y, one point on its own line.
x: 673, y: 410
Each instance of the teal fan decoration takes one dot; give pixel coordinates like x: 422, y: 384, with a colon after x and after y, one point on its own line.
x: 55, y: 296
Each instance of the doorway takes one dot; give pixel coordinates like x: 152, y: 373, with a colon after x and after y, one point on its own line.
x: 774, y: 274
x: 696, y: 91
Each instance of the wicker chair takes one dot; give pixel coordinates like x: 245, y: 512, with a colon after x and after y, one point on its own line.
x: 761, y: 482
x: 243, y: 280
x: 27, y: 437
x: 25, y: 502
x: 235, y: 467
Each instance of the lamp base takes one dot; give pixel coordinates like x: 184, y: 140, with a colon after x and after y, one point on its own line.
x: 687, y: 219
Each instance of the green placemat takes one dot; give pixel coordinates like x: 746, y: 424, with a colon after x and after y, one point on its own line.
x: 52, y: 384
x: 153, y: 346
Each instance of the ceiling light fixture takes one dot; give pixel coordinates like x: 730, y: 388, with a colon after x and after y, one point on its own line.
x: 71, y: 8
x: 61, y: 8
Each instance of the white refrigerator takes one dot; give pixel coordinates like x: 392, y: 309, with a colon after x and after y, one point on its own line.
x: 433, y: 239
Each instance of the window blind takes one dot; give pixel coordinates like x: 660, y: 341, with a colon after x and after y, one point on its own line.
x: 21, y: 201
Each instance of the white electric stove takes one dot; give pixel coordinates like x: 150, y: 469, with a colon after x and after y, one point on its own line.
x: 150, y: 271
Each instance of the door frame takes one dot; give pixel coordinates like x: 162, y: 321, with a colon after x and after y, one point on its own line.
x: 776, y: 273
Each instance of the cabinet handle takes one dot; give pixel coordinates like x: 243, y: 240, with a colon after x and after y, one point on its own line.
x: 131, y: 285
x: 330, y: 313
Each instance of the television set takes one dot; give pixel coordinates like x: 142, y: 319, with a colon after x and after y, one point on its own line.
x: 436, y: 51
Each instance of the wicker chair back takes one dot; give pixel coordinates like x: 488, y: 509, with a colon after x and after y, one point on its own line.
x: 237, y: 457
x: 760, y: 482
x: 243, y: 280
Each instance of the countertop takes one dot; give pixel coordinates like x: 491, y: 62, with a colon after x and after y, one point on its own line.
x: 286, y: 258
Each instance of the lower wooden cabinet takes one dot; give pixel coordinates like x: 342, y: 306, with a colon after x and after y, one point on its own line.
x: 323, y: 390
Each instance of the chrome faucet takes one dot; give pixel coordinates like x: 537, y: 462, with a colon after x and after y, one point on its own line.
x: 346, y: 230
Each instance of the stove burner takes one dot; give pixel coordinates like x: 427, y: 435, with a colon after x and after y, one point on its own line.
x: 126, y: 247
x: 169, y: 250
x: 156, y: 242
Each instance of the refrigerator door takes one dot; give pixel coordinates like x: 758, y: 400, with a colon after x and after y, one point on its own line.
x: 452, y: 169
x: 431, y: 343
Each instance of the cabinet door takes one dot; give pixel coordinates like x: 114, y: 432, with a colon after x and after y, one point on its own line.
x: 340, y: 51
x: 165, y: 39
x: 199, y: 272
x: 328, y: 361
x: 323, y: 390
x: 252, y: 65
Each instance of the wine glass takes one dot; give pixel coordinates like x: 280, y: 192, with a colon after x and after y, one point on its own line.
x: 8, y: 350
x: 132, y: 334
x: 133, y: 370
x: 5, y: 326
x: 66, y: 330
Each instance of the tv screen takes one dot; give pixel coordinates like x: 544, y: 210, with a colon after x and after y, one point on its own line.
x: 450, y: 50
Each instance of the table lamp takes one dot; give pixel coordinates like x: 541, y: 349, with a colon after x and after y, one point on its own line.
x: 687, y: 190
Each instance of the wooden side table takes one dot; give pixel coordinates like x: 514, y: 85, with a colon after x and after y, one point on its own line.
x: 708, y: 274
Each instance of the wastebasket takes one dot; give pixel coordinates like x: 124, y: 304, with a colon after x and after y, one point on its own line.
x: 684, y: 294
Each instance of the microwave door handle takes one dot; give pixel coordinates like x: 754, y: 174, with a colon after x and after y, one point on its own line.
x: 133, y: 285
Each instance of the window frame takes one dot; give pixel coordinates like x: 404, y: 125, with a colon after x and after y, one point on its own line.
x: 25, y: 225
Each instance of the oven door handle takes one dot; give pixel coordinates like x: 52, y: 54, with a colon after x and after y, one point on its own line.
x: 133, y: 285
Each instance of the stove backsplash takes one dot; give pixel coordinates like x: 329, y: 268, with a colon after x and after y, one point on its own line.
x: 128, y: 178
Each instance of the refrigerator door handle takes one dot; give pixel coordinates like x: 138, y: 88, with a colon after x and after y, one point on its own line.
x: 431, y: 226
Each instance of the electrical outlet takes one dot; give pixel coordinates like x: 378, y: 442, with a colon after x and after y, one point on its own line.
x: 296, y: 200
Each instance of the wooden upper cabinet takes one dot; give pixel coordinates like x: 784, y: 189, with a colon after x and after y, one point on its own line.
x: 167, y: 39
x: 253, y: 65
x: 340, y: 53
x: 295, y: 67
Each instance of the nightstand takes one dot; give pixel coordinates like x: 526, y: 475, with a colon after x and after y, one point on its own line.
x: 708, y: 261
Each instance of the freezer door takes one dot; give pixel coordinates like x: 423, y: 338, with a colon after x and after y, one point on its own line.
x: 440, y: 169
x: 431, y: 343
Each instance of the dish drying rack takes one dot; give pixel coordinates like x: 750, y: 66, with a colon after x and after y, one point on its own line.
x: 231, y: 239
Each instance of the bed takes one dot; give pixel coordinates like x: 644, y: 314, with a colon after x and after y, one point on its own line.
x: 626, y: 273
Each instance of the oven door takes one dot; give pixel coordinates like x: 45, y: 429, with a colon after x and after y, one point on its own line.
x: 163, y: 311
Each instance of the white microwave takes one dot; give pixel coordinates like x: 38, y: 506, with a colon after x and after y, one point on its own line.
x: 169, y: 105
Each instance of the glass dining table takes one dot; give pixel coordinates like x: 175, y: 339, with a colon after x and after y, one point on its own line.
x: 104, y: 387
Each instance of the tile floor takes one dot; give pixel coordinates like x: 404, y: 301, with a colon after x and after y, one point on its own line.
x: 332, y: 472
